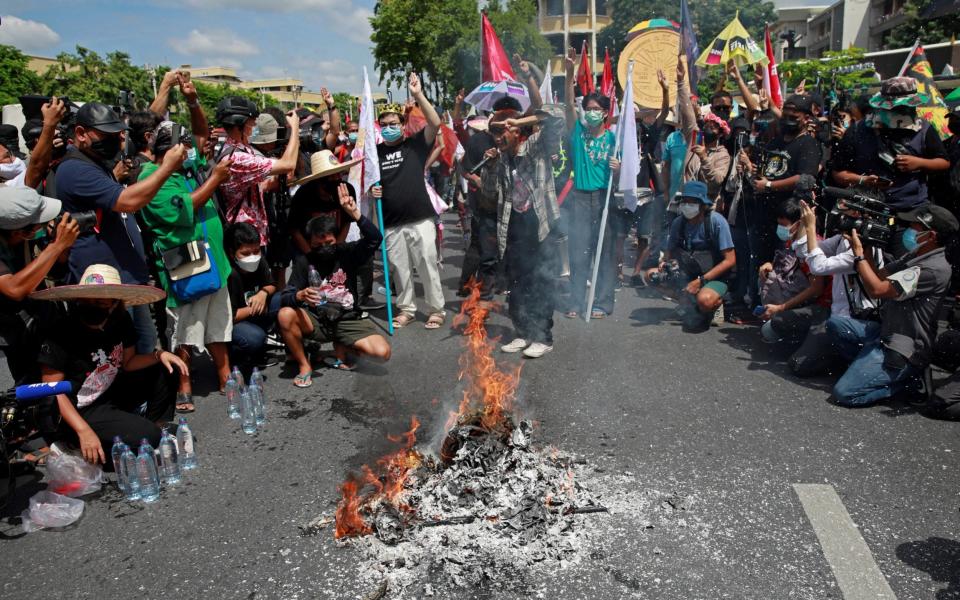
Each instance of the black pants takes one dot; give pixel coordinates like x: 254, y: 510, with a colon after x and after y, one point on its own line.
x: 532, y: 272
x: 817, y: 355
x: 365, y: 279
x: 794, y: 325
x: 480, y: 261
x: 586, y: 213
x: 115, y: 412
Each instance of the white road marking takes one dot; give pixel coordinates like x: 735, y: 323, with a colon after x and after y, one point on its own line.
x: 853, y: 565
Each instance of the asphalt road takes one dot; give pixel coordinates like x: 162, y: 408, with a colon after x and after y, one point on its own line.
x: 713, y: 422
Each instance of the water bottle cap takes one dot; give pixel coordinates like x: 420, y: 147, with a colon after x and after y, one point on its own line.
x: 144, y: 441
x: 182, y: 421
x: 117, y: 439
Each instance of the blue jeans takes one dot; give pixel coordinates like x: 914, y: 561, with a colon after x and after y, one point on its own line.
x: 850, y: 336
x: 869, y: 380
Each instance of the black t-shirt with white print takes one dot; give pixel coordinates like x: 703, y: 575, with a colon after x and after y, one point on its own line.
x: 405, y: 198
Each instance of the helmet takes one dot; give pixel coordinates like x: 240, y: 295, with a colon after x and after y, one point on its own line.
x: 234, y: 111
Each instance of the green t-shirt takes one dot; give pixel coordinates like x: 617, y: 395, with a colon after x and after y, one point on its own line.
x: 172, y: 222
x: 591, y: 158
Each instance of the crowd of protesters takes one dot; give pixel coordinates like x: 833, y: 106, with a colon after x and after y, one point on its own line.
x: 130, y: 243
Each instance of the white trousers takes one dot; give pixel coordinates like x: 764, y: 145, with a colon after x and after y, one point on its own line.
x: 415, y: 245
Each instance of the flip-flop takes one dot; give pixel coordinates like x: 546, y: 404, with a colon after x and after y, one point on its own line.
x: 185, y: 407
x: 597, y: 314
x: 303, y: 381
x: 571, y: 314
x: 336, y: 363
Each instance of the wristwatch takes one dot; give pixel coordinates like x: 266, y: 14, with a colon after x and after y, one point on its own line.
x: 857, y: 259
x: 768, y: 185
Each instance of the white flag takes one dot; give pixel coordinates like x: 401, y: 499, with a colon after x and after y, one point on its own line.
x: 546, y: 87
x: 629, y: 150
x: 368, y: 136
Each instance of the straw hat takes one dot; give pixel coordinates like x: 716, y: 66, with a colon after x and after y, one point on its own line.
x: 324, y: 164
x: 99, y: 282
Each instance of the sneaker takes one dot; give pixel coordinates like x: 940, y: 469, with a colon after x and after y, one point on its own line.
x: 369, y: 303
x: 536, y: 350
x: 717, y: 317
x: 516, y: 345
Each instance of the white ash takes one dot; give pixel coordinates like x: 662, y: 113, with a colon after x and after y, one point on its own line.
x: 520, y: 500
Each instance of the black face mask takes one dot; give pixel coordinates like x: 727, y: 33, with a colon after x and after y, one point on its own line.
x: 789, y: 126
x: 323, y: 254
x: 710, y: 137
x: 92, y: 315
x: 107, y: 147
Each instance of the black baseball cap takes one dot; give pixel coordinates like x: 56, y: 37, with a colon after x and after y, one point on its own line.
x: 10, y: 139
x: 933, y: 217
x: 801, y: 103
x: 101, y: 117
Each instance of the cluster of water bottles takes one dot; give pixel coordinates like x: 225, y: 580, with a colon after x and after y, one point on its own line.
x: 246, y: 402
x: 139, y: 477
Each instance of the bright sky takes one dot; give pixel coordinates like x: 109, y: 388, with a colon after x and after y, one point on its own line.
x: 322, y: 42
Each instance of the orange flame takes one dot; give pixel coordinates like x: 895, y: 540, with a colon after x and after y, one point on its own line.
x: 488, y: 387
x: 386, y: 484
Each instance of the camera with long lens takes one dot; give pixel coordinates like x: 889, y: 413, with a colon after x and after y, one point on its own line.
x: 671, y: 271
x: 86, y: 220
x: 874, y: 224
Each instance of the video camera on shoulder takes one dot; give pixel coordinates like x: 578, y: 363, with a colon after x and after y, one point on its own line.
x: 874, y: 224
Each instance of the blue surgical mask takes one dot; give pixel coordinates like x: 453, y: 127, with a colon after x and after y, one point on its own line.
x: 352, y: 136
x: 783, y: 232
x: 910, y: 241
x: 391, y: 133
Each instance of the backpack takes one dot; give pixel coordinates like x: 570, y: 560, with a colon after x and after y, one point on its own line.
x: 785, y: 281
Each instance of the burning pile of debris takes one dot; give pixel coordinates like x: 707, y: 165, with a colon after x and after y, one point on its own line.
x: 485, y: 503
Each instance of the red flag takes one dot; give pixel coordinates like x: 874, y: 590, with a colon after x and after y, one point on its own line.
x: 584, y: 73
x: 493, y: 60
x: 607, y: 87
x: 771, y: 79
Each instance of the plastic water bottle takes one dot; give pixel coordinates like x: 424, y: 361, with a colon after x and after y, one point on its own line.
x: 188, y: 454
x: 237, y: 376
x: 248, y: 420
x: 130, y: 474
x: 313, y: 278
x: 117, y: 455
x: 147, y: 472
x: 230, y: 390
x: 169, y: 463
x: 256, y: 392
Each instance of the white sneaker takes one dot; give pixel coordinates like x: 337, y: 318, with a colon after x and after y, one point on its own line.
x: 718, y: 317
x: 536, y: 350
x: 516, y: 345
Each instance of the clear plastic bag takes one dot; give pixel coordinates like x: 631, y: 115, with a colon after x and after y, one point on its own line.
x: 48, y: 509
x: 70, y: 475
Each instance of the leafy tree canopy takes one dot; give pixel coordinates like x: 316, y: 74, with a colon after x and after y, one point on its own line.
x: 16, y: 77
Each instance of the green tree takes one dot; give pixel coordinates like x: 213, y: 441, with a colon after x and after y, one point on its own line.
x: 709, y: 18
x: 929, y: 31
x: 16, y: 77
x: 836, y: 71
x: 441, y: 40
x: 87, y: 77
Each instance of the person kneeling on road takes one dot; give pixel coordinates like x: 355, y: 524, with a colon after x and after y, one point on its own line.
x: 324, y: 310
x: 94, y: 348
x: 915, y: 285
x: 699, y: 258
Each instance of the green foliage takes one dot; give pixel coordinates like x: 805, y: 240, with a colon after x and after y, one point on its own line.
x: 709, y: 18
x: 17, y: 79
x: 346, y: 104
x: 930, y: 31
x: 837, y: 70
x: 441, y: 40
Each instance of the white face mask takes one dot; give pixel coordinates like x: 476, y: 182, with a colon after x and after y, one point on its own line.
x: 249, y: 263
x: 689, y: 211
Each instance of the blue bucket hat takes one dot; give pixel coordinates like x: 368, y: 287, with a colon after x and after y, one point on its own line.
x: 696, y: 189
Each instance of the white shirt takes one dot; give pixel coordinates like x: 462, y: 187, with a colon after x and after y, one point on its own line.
x: 834, y: 257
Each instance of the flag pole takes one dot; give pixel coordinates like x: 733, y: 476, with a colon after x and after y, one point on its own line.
x: 591, y: 294
x: 386, y: 264
x: 906, y: 63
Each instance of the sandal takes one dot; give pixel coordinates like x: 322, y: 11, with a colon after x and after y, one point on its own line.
x: 571, y: 314
x: 597, y: 314
x: 303, y: 380
x: 185, y: 403
x: 402, y: 320
x: 336, y: 363
x: 435, y: 321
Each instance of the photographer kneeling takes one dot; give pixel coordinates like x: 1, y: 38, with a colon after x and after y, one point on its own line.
x: 23, y: 213
x: 701, y: 244
x: 94, y: 348
x: 894, y: 357
x: 319, y: 302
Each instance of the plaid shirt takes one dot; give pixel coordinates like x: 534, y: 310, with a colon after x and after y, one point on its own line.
x: 533, y: 167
